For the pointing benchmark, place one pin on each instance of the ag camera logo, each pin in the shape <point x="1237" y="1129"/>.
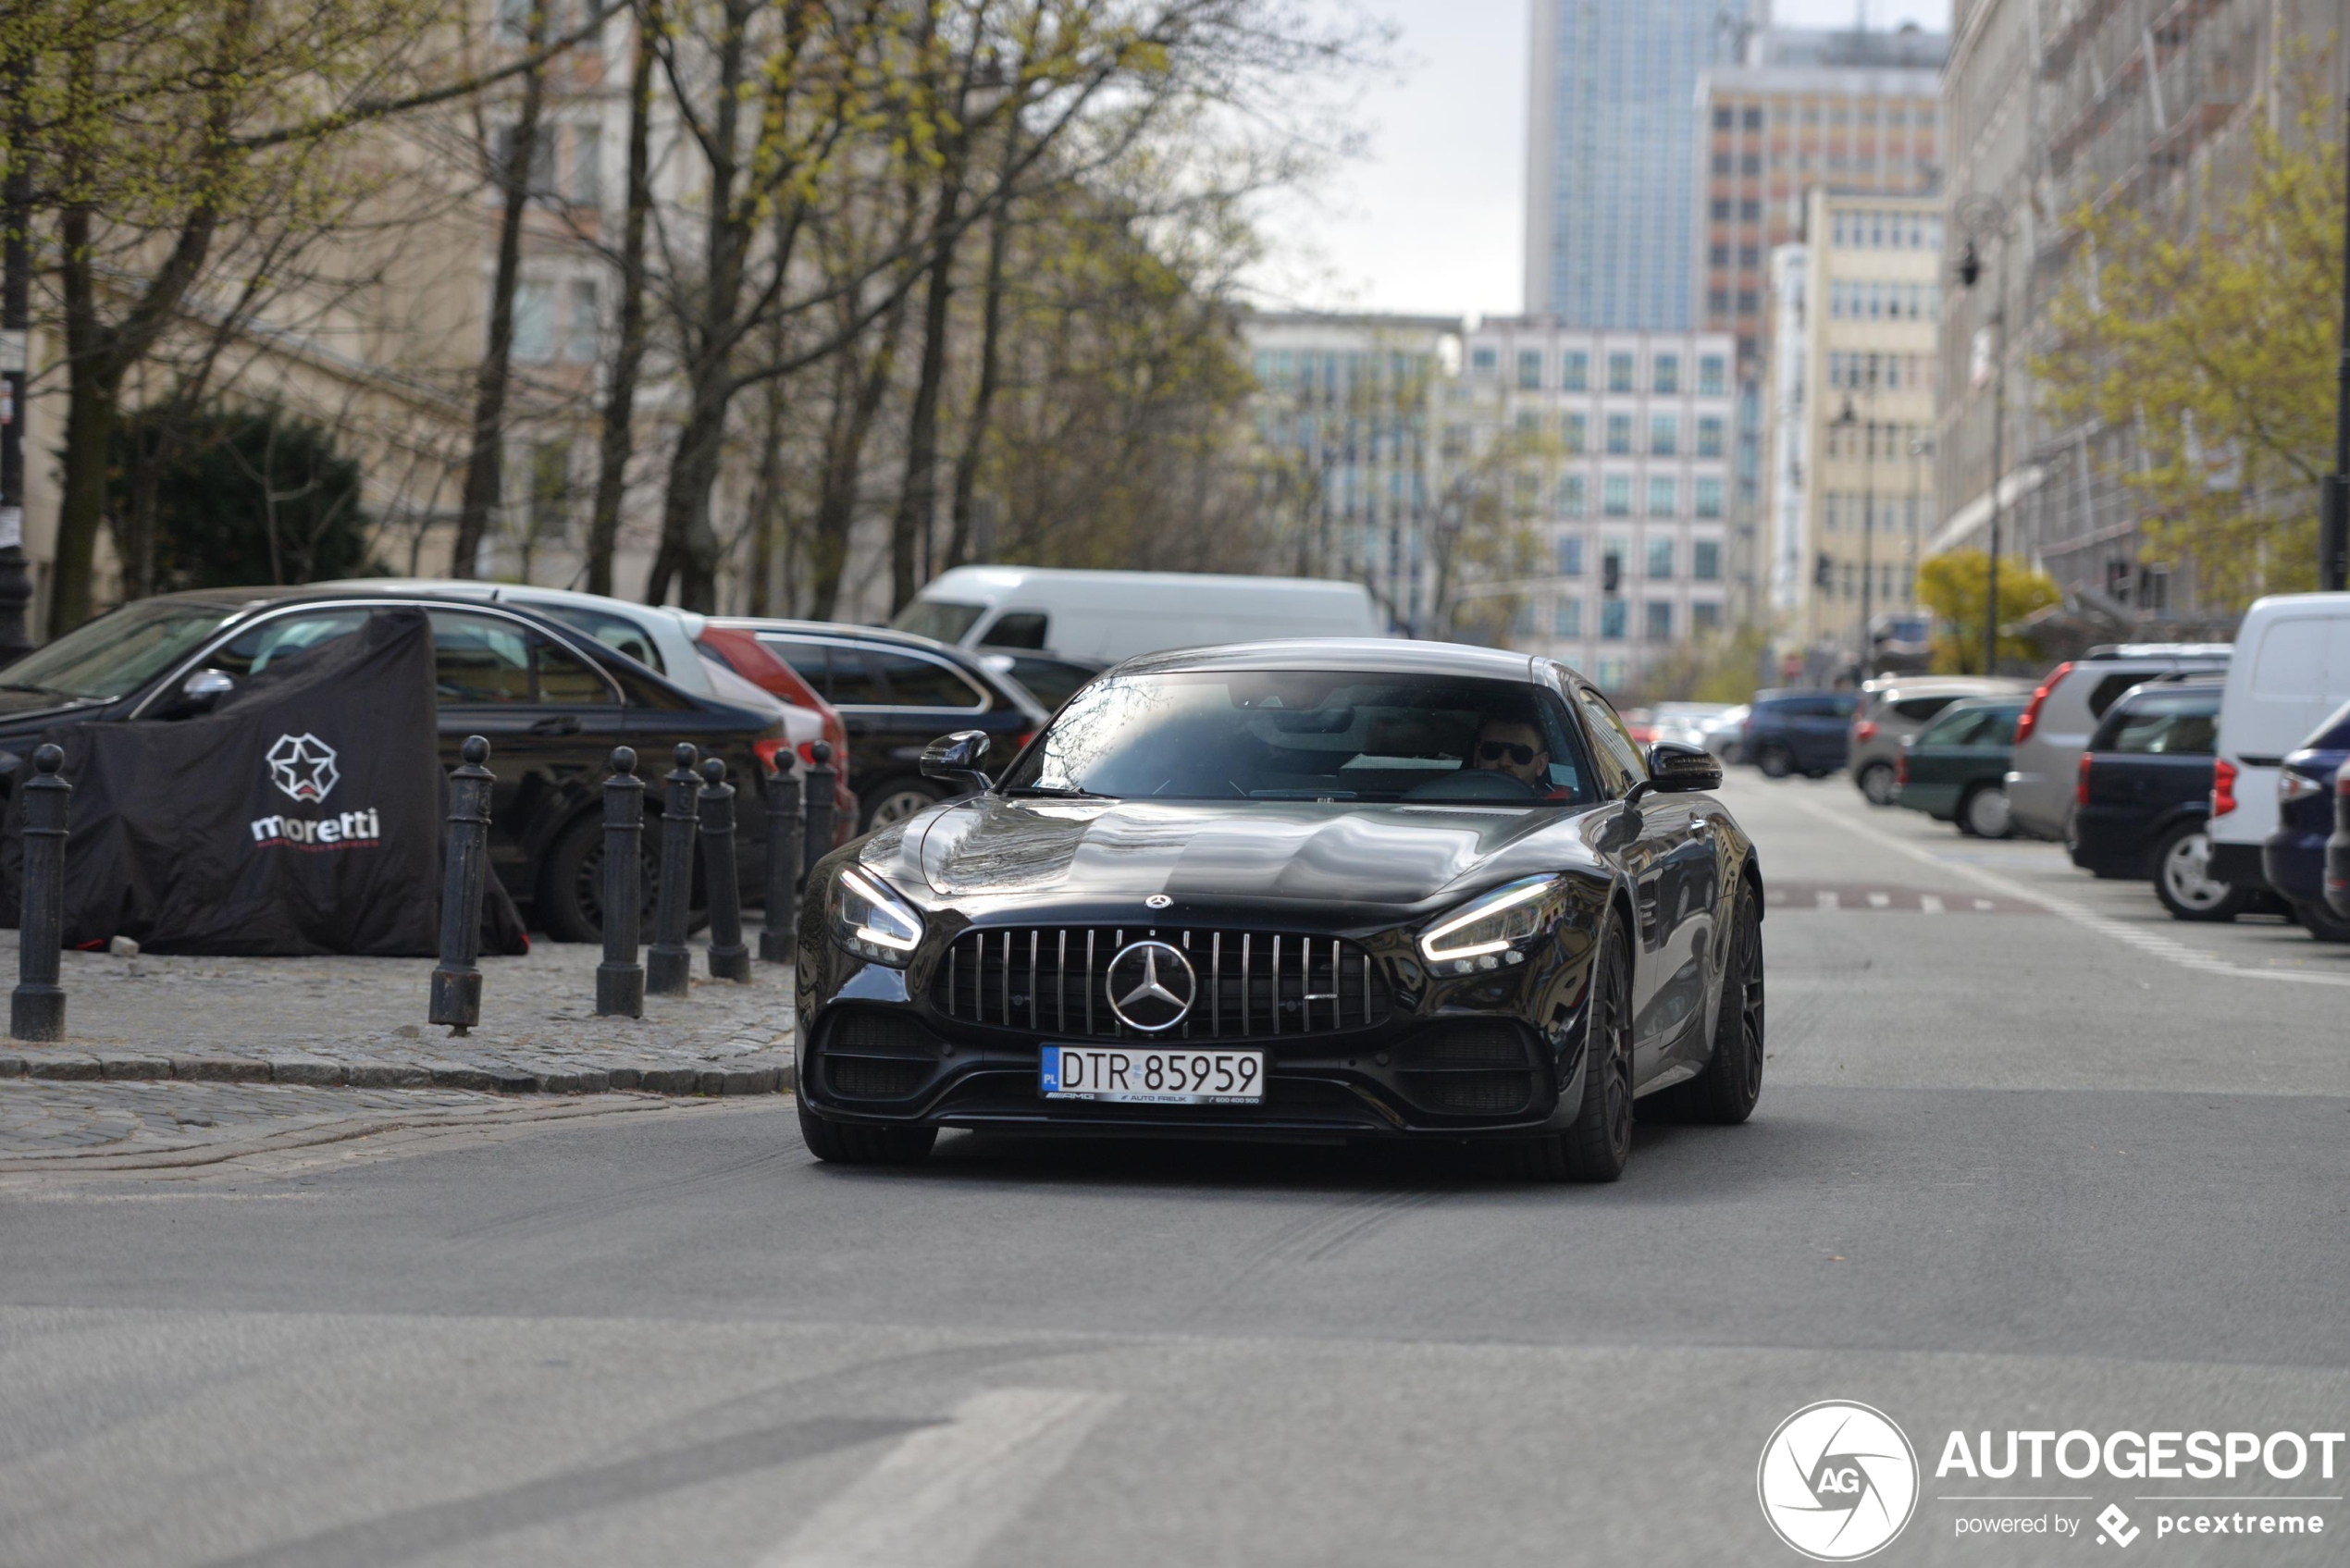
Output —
<point x="1838" y="1481"/>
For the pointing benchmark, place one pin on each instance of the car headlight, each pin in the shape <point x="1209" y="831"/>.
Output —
<point x="1492" y="929"/>
<point x="871" y="921"/>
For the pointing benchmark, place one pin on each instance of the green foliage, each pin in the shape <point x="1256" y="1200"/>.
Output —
<point x="242" y="497"/>
<point x="1955" y="586"/>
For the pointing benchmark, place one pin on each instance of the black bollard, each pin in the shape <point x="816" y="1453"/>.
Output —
<point x="37" y="1011"/>
<point x="729" y="959"/>
<point x="620" y="978"/>
<point x="775" y="938"/>
<point x="819" y="799"/>
<point x="456" y="983"/>
<point x="669" y="963"/>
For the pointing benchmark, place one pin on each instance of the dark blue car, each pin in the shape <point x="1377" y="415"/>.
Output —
<point x="1799" y="732"/>
<point x="2144" y="795"/>
<point x="2293" y="859"/>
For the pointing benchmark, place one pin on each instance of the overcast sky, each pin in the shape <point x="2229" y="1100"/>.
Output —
<point x="1431" y="218"/>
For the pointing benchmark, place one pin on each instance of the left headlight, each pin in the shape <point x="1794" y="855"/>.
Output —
<point x="872" y="921"/>
<point x="1493" y="929"/>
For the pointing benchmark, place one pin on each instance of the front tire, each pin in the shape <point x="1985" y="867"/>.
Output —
<point x="1984" y="812"/>
<point x="1724" y="1092"/>
<point x="1597" y="1144"/>
<point x="2182" y="878"/>
<point x="1877" y="783"/>
<point x="899" y="799"/>
<point x="1776" y="761"/>
<point x="839" y="1143"/>
<point x="2323" y="923"/>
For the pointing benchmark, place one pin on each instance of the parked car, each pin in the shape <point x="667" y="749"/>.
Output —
<point x="2143" y="792"/>
<point x="1115" y="616"/>
<point x="1797" y="732"/>
<point x="1685" y="723"/>
<point x="1955" y="768"/>
<point x="2338" y="846"/>
<point x="897" y="693"/>
<point x="741" y="652"/>
<point x="2294" y="858"/>
<point x="1725" y="733"/>
<point x="2065" y="707"/>
<point x="1889" y="712"/>
<point x="1050" y="678"/>
<point x="552" y="702"/>
<point x="2291" y="669"/>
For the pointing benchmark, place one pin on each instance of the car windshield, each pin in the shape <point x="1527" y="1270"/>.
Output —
<point x="939" y="618"/>
<point x="119" y="652"/>
<point x="1308" y="735"/>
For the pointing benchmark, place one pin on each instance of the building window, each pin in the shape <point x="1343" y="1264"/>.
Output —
<point x="1720" y="163"/>
<point x="1750" y="164"/>
<point x="581" y="323"/>
<point x="1615" y="495"/>
<point x="1753" y="118"/>
<point x="1619" y="372"/>
<point x="1721" y="209"/>
<point x="1749" y="301"/>
<point x="1529" y="369"/>
<point x="1713" y="376"/>
<point x="1717" y="302"/>
<point x="1483" y="361"/>
<point x="587" y="166"/>
<point x="534" y="321"/>
<point x="1664" y="435"/>
<point x="1529" y="422"/>
<point x="1571" y="495"/>
<point x="1661" y="559"/>
<point x="1660" y="620"/>
<point x="1709" y="497"/>
<point x="1665" y="374"/>
<point x="1719" y="255"/>
<point x="1574" y="433"/>
<point x="1750" y="210"/>
<point x="1575" y="371"/>
<point x="1749" y="255"/>
<point x="1705" y="618"/>
<point x="1662" y="498"/>
<point x="1619" y="435"/>
<point x="1705" y="561"/>
<point x="1722" y="119"/>
<point x="1613" y="613"/>
<point x="1571" y="554"/>
<point x="1708" y="437"/>
<point x="1566" y="618"/>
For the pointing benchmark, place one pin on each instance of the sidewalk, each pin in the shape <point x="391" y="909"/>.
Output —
<point x="360" y="1023"/>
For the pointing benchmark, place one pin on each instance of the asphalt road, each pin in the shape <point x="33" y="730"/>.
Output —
<point x="2029" y="1156"/>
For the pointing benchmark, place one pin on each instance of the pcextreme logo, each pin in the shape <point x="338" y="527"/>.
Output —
<point x="1838" y="1481"/>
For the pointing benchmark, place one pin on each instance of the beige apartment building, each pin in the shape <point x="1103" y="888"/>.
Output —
<point x="1853" y="401"/>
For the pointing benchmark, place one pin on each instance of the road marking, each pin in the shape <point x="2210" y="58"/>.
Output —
<point x="943" y="1493"/>
<point x="1929" y="903"/>
<point x="2147" y="942"/>
<point x="1826" y="899"/>
<point x="1880" y="901"/>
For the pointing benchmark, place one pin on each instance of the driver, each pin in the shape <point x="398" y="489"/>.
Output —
<point x="1507" y="746"/>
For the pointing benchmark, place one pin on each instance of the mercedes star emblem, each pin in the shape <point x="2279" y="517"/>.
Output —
<point x="1157" y="901"/>
<point x="1151" y="986"/>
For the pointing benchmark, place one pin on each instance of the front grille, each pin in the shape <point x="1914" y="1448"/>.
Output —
<point x="1469" y="1045"/>
<point x="1049" y="980"/>
<point x="1475" y="1094"/>
<point x="870" y="1055"/>
<point x="873" y="1077"/>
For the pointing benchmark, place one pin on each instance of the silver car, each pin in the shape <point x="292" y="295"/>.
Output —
<point x="1892" y="709"/>
<point x="2065" y="709"/>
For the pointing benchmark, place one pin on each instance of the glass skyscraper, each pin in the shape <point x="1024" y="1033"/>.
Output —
<point x="1612" y="156"/>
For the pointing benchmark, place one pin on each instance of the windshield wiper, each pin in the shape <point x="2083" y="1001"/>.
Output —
<point x="1058" y="792"/>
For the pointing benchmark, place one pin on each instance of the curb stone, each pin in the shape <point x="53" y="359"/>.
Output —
<point x="573" y="1076"/>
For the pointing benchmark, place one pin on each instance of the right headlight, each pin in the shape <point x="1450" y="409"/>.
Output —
<point x="873" y="919"/>
<point x="1493" y="929"/>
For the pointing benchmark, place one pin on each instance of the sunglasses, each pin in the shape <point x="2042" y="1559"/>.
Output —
<point x="1494" y="750"/>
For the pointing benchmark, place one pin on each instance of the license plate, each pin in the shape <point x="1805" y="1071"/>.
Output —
<point x="1150" y="1075"/>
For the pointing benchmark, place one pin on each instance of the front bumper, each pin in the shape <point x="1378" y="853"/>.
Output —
<point x="2293" y="863"/>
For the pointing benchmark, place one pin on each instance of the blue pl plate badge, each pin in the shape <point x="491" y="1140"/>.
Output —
<point x="1052" y="1069"/>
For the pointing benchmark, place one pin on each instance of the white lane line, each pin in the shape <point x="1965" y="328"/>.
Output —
<point x="943" y="1493"/>
<point x="1880" y="901"/>
<point x="1929" y="903"/>
<point x="2146" y="941"/>
<point x="1826" y="899"/>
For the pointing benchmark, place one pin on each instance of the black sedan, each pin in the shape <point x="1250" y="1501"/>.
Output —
<point x="1304" y="891"/>
<point x="552" y="701"/>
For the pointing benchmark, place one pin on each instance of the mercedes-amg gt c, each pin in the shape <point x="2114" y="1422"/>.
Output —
<point x="1304" y="891"/>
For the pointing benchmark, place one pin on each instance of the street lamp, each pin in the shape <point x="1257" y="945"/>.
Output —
<point x="1919" y="449"/>
<point x="1982" y="217"/>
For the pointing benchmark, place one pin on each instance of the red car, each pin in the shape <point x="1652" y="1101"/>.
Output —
<point x="739" y="649"/>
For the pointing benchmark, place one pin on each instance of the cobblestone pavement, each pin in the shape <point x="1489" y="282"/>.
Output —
<point x="359" y="1022"/>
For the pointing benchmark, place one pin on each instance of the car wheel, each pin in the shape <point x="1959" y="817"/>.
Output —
<point x="1876" y="782"/>
<point x="899" y="799"/>
<point x="1776" y="761"/>
<point x="839" y="1143"/>
<point x="1596" y="1147"/>
<point x="2182" y="878"/>
<point x="1984" y="812"/>
<point x="571" y="889"/>
<point x="2321" y="923"/>
<point x="1724" y="1092"/>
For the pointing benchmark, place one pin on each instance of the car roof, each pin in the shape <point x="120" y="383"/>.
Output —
<point x="2113" y="651"/>
<point x="843" y="629"/>
<point x="1388" y="656"/>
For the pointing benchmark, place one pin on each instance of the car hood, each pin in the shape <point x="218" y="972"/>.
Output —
<point x="1200" y="852"/>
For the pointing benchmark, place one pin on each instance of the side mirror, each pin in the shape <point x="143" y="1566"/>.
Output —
<point x="1676" y="769"/>
<point x="955" y="760"/>
<point x="204" y="688"/>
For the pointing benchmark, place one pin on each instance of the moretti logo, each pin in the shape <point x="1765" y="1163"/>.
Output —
<point x="303" y="767"/>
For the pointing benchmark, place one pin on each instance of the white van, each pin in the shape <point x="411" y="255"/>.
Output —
<point x="1115" y="616"/>
<point x="2291" y="669"/>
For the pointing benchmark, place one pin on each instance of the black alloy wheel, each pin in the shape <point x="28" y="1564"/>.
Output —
<point x="1724" y="1092"/>
<point x="1596" y="1147"/>
<point x="571" y="901"/>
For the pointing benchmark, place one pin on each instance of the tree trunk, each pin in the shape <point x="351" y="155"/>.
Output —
<point x="836" y="507"/>
<point x="485" y="468"/>
<point x="629" y="355"/>
<point x="912" y="525"/>
<point x="991" y="333"/>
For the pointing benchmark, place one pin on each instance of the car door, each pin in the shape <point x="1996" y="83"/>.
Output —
<point x="928" y="697"/>
<point x="1670" y="862"/>
<point x="835" y="671"/>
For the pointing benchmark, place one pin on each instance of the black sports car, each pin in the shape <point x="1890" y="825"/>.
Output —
<point x="1306" y="891"/>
